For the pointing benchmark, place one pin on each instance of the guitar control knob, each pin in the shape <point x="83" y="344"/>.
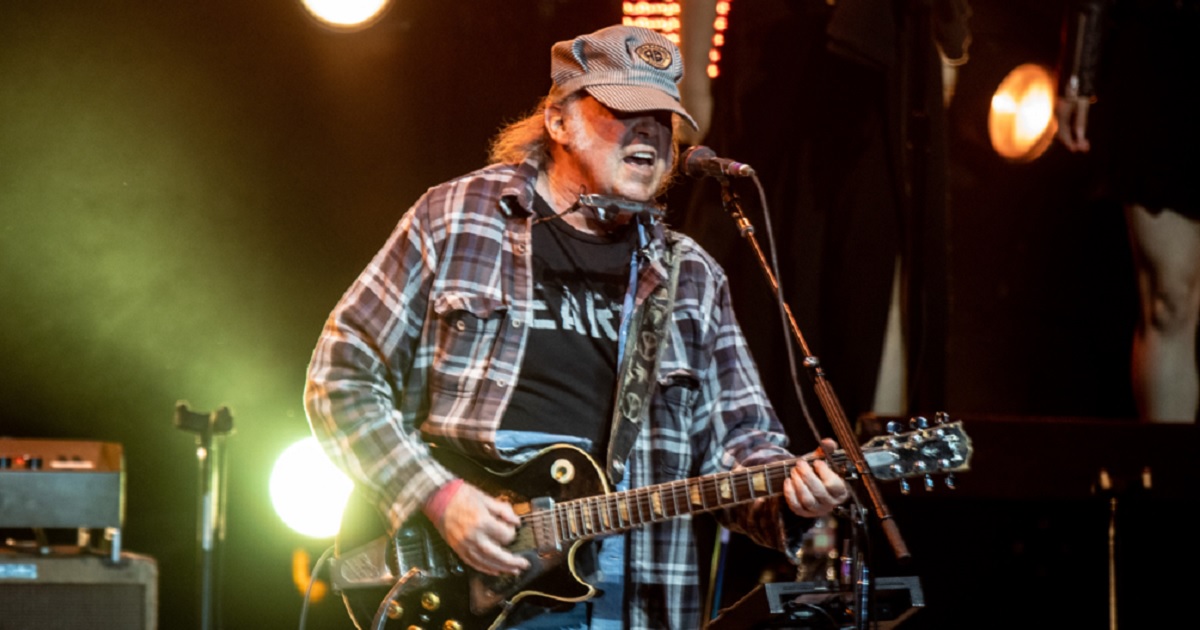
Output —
<point x="395" y="610"/>
<point x="452" y="625"/>
<point x="430" y="601"/>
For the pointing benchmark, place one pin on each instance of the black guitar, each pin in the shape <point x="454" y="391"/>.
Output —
<point x="414" y="580"/>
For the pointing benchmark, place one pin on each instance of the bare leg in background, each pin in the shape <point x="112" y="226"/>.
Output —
<point x="1166" y="255"/>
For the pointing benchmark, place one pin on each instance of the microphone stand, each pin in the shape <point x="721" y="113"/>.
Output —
<point x="210" y="430"/>
<point x="833" y="409"/>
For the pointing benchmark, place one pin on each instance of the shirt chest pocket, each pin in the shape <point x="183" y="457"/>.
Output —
<point x="467" y="330"/>
<point x="672" y="426"/>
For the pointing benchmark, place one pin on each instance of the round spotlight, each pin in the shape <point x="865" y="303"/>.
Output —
<point x="308" y="492"/>
<point x="347" y="15"/>
<point x="1021" y="121"/>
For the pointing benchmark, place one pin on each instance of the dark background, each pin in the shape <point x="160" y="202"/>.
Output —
<point x="186" y="189"/>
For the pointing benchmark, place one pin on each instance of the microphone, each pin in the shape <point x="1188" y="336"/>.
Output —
<point x="701" y="161"/>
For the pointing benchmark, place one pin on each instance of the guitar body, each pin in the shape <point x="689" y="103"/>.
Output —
<point x="444" y="590"/>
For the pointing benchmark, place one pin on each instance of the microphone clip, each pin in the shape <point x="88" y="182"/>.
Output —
<point x="608" y="207"/>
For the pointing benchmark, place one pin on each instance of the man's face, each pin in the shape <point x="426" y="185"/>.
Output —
<point x="615" y="153"/>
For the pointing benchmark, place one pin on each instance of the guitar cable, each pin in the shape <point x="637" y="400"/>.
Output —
<point x="313" y="580"/>
<point x="381" y="617"/>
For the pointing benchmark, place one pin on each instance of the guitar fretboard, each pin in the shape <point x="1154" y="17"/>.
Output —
<point x="618" y="511"/>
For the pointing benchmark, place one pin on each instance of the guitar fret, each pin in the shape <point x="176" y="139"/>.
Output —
<point x="762" y="483"/>
<point x="656" y="507"/>
<point x="675" y="492"/>
<point x="598" y="514"/>
<point x="574" y="521"/>
<point x="694" y="493"/>
<point x="587" y="516"/>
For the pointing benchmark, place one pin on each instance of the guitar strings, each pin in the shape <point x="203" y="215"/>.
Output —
<point x="588" y="516"/>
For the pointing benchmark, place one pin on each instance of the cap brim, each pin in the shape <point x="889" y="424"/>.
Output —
<point x="636" y="98"/>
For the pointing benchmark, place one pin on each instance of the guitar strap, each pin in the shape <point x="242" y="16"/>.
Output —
<point x="644" y="341"/>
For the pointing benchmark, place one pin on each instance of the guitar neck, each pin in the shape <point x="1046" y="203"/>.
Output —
<point x="628" y="509"/>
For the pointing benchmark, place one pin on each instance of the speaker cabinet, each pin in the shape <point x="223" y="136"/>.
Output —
<point x="72" y="590"/>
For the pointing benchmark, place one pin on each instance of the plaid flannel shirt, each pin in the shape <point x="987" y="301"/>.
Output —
<point x="426" y="344"/>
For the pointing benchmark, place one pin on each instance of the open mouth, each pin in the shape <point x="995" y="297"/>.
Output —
<point x="640" y="158"/>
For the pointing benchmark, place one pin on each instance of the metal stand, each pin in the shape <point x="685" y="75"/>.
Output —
<point x="210" y="430"/>
<point x="857" y="466"/>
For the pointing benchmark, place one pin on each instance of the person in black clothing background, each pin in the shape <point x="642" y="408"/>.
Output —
<point x="1136" y="60"/>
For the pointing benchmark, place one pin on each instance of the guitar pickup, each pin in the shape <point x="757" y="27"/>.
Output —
<point x="545" y="534"/>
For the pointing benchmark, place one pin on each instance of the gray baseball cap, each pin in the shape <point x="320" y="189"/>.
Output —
<point x="627" y="68"/>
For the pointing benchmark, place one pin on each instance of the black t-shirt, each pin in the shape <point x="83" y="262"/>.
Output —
<point x="569" y="372"/>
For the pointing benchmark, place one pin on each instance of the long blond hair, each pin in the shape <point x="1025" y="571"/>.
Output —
<point x="525" y="137"/>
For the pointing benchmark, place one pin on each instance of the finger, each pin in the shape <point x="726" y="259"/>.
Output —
<point x="1081" y="127"/>
<point x="790" y="494"/>
<point x="503" y="511"/>
<point x="498" y="530"/>
<point x="819" y="483"/>
<point x="498" y="559"/>
<point x="833" y="483"/>
<point x="803" y="502"/>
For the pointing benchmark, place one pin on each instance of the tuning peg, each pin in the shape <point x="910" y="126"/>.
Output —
<point x="941" y="417"/>
<point x="904" y="487"/>
<point x="929" y="483"/>
<point x="919" y="422"/>
<point x="892" y="427"/>
<point x="951" y="482"/>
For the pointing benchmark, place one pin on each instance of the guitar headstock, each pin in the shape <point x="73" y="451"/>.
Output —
<point x="926" y="449"/>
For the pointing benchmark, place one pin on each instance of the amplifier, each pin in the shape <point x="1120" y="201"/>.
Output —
<point x="61" y="484"/>
<point x="67" y="589"/>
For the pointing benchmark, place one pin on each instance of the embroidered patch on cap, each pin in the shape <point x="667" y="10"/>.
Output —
<point x="655" y="55"/>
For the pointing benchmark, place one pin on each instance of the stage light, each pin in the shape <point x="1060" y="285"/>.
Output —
<point x="659" y="16"/>
<point x="1021" y="120"/>
<point x="308" y="492"/>
<point x="347" y="15"/>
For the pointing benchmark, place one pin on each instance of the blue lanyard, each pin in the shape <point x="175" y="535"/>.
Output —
<point x="630" y="292"/>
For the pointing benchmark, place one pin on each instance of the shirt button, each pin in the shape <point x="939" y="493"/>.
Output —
<point x="501" y="382"/>
<point x="520" y="248"/>
<point x="516" y="323"/>
<point x="460" y="324"/>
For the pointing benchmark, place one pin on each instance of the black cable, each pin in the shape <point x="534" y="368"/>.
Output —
<point x="312" y="579"/>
